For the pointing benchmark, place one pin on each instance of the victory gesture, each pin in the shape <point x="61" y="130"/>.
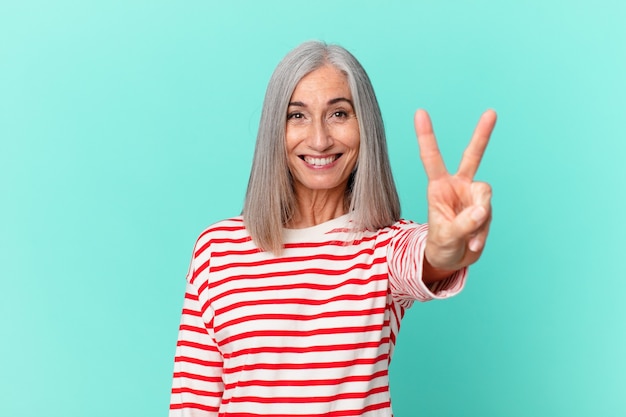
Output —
<point x="459" y="208"/>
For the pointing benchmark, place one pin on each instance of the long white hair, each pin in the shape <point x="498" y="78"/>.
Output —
<point x="371" y="193"/>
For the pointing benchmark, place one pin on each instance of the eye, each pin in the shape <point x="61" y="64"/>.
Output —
<point x="340" y="114"/>
<point x="295" y="115"/>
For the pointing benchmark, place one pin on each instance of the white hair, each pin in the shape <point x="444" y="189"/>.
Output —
<point x="270" y="200"/>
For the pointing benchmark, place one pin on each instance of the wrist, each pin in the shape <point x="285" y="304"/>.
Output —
<point x="432" y="273"/>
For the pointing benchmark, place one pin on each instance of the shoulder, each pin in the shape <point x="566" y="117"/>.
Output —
<point x="225" y="233"/>
<point x="226" y="236"/>
<point x="401" y="233"/>
<point x="402" y="226"/>
<point x="224" y="228"/>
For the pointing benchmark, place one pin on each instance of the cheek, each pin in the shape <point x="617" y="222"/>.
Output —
<point x="290" y="139"/>
<point x="348" y="134"/>
<point x="353" y="138"/>
<point x="294" y="134"/>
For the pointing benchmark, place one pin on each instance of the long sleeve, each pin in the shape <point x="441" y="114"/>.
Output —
<point x="405" y="257"/>
<point x="197" y="387"/>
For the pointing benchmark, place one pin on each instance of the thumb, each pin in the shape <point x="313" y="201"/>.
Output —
<point x="474" y="217"/>
<point x="469" y="221"/>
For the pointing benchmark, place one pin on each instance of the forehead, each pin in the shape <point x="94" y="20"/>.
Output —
<point x="326" y="80"/>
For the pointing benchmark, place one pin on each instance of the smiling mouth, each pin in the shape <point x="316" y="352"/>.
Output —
<point x="320" y="161"/>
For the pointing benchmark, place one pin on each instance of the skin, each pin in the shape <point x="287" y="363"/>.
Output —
<point x="459" y="208"/>
<point x="321" y="123"/>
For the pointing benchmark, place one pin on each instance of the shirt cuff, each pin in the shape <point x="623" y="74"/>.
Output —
<point x="447" y="287"/>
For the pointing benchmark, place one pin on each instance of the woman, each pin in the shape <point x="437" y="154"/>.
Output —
<point x="293" y="308"/>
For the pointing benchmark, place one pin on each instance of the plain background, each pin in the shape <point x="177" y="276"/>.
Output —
<point x="127" y="127"/>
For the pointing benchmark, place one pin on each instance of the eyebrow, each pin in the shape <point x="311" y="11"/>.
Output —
<point x="332" y="101"/>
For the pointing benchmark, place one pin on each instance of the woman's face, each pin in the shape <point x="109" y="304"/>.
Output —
<point x="322" y="135"/>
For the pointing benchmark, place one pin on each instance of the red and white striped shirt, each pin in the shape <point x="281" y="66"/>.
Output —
<point x="307" y="333"/>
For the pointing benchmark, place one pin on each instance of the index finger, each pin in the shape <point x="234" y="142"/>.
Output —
<point x="476" y="148"/>
<point x="429" y="151"/>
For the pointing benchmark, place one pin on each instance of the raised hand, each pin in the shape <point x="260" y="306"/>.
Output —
<point x="459" y="208"/>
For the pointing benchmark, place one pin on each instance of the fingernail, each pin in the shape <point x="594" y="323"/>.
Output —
<point x="478" y="213"/>
<point x="474" y="245"/>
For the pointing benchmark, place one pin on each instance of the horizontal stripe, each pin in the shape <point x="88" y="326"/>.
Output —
<point x="307" y="399"/>
<point x="197" y="361"/>
<point x="216" y="241"/>
<point x="307" y="365"/>
<point x="301" y="317"/>
<point x="303" y="271"/>
<point x="334" y="413"/>
<point x="300" y="285"/>
<point x="185" y="327"/>
<point x="310" y="349"/>
<point x="305" y="333"/>
<point x="195" y="345"/>
<point x="203" y="378"/>
<point x="194" y="406"/>
<point x="308" y="382"/>
<point x="309" y="333"/>
<point x="302" y="301"/>
<point x="196" y="392"/>
<point x="294" y="259"/>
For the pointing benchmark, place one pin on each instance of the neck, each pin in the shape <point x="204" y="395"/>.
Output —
<point x="316" y="207"/>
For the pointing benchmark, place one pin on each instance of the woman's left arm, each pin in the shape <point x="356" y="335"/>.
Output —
<point x="459" y="208"/>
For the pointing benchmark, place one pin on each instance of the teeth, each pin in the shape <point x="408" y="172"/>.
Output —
<point x="320" y="161"/>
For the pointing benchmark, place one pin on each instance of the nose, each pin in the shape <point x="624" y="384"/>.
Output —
<point x="319" y="138"/>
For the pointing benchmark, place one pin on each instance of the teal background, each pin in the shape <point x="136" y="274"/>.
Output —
<point x="126" y="127"/>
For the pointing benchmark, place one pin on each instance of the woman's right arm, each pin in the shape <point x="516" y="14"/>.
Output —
<point x="197" y="388"/>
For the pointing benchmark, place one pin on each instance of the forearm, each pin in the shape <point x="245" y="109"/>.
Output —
<point x="430" y="274"/>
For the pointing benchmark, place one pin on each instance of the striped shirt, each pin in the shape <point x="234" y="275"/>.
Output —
<point x="307" y="333"/>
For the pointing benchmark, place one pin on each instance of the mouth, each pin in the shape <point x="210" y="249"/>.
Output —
<point x="320" y="161"/>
